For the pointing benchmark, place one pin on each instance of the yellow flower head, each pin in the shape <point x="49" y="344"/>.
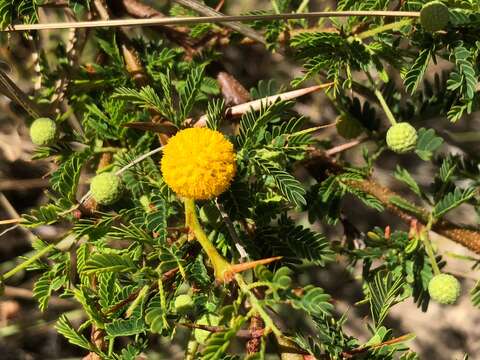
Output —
<point x="198" y="163"/>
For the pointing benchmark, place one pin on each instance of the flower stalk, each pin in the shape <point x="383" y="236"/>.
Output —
<point x="223" y="270"/>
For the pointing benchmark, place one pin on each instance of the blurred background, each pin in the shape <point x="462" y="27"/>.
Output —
<point x="26" y="333"/>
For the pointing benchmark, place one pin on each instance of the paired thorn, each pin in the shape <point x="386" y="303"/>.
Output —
<point x="229" y="273"/>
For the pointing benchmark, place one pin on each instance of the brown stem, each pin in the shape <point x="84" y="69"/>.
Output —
<point x="256" y="330"/>
<point x="245" y="334"/>
<point x="319" y="164"/>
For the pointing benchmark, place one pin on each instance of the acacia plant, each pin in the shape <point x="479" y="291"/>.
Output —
<point x="198" y="187"/>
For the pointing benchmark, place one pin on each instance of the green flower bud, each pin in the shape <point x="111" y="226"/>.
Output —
<point x="401" y="138"/>
<point x="43" y="132"/>
<point x="106" y="188"/>
<point x="348" y="128"/>
<point x="434" y="16"/>
<point x="183" y="304"/>
<point x="444" y="289"/>
<point x="207" y="319"/>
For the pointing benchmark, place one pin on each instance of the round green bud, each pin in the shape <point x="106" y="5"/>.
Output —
<point x="348" y="128"/>
<point x="183" y="304"/>
<point x="206" y="319"/>
<point x="43" y="132"/>
<point x="401" y="138"/>
<point x="434" y="16"/>
<point x="106" y="188"/>
<point x="444" y="289"/>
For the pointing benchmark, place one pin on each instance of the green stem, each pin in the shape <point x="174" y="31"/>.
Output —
<point x="28" y="262"/>
<point x="385" y="107"/>
<point x="256" y="306"/>
<point x="428" y="246"/>
<point x="381" y="100"/>
<point x="392" y="26"/>
<point x="107" y="149"/>
<point x="141" y="295"/>
<point x="221" y="267"/>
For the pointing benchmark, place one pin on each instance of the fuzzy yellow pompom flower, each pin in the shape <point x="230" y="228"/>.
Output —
<point x="198" y="163"/>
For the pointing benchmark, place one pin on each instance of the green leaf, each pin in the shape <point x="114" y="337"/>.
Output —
<point x="155" y="316"/>
<point x="156" y="219"/>
<point x="64" y="180"/>
<point x="383" y="294"/>
<point x="188" y="93"/>
<point x="215" y="113"/>
<point x="121" y="327"/>
<point x="366" y="198"/>
<point x="13" y="10"/>
<point x="64" y="327"/>
<point x="147" y="98"/>
<point x="415" y="74"/>
<point x="404" y="176"/>
<point x="198" y="273"/>
<point x="315" y="302"/>
<point x="86" y="297"/>
<point x="282" y="278"/>
<point x="405" y="205"/>
<point x="170" y="258"/>
<point x="264" y="88"/>
<point x="447" y="169"/>
<point x="218" y="343"/>
<point x="475" y="294"/>
<point x="464" y="78"/>
<point x="44" y="215"/>
<point x="453" y="200"/>
<point x="106" y="289"/>
<point x="296" y="243"/>
<point x="428" y="142"/>
<point x="43" y="289"/>
<point x="111" y="262"/>
<point x="288" y="185"/>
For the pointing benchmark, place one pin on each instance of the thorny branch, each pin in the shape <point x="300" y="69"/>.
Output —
<point x="319" y="163"/>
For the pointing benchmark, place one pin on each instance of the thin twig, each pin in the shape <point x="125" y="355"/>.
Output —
<point x="125" y="168"/>
<point x="10" y="89"/>
<point x="255" y="105"/>
<point x="10" y="221"/>
<point x="342" y="147"/>
<point x="7" y="230"/>
<point x="13" y="213"/>
<point x="208" y="11"/>
<point x="205" y="19"/>
<point x="21" y="293"/>
<point x="240" y="246"/>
